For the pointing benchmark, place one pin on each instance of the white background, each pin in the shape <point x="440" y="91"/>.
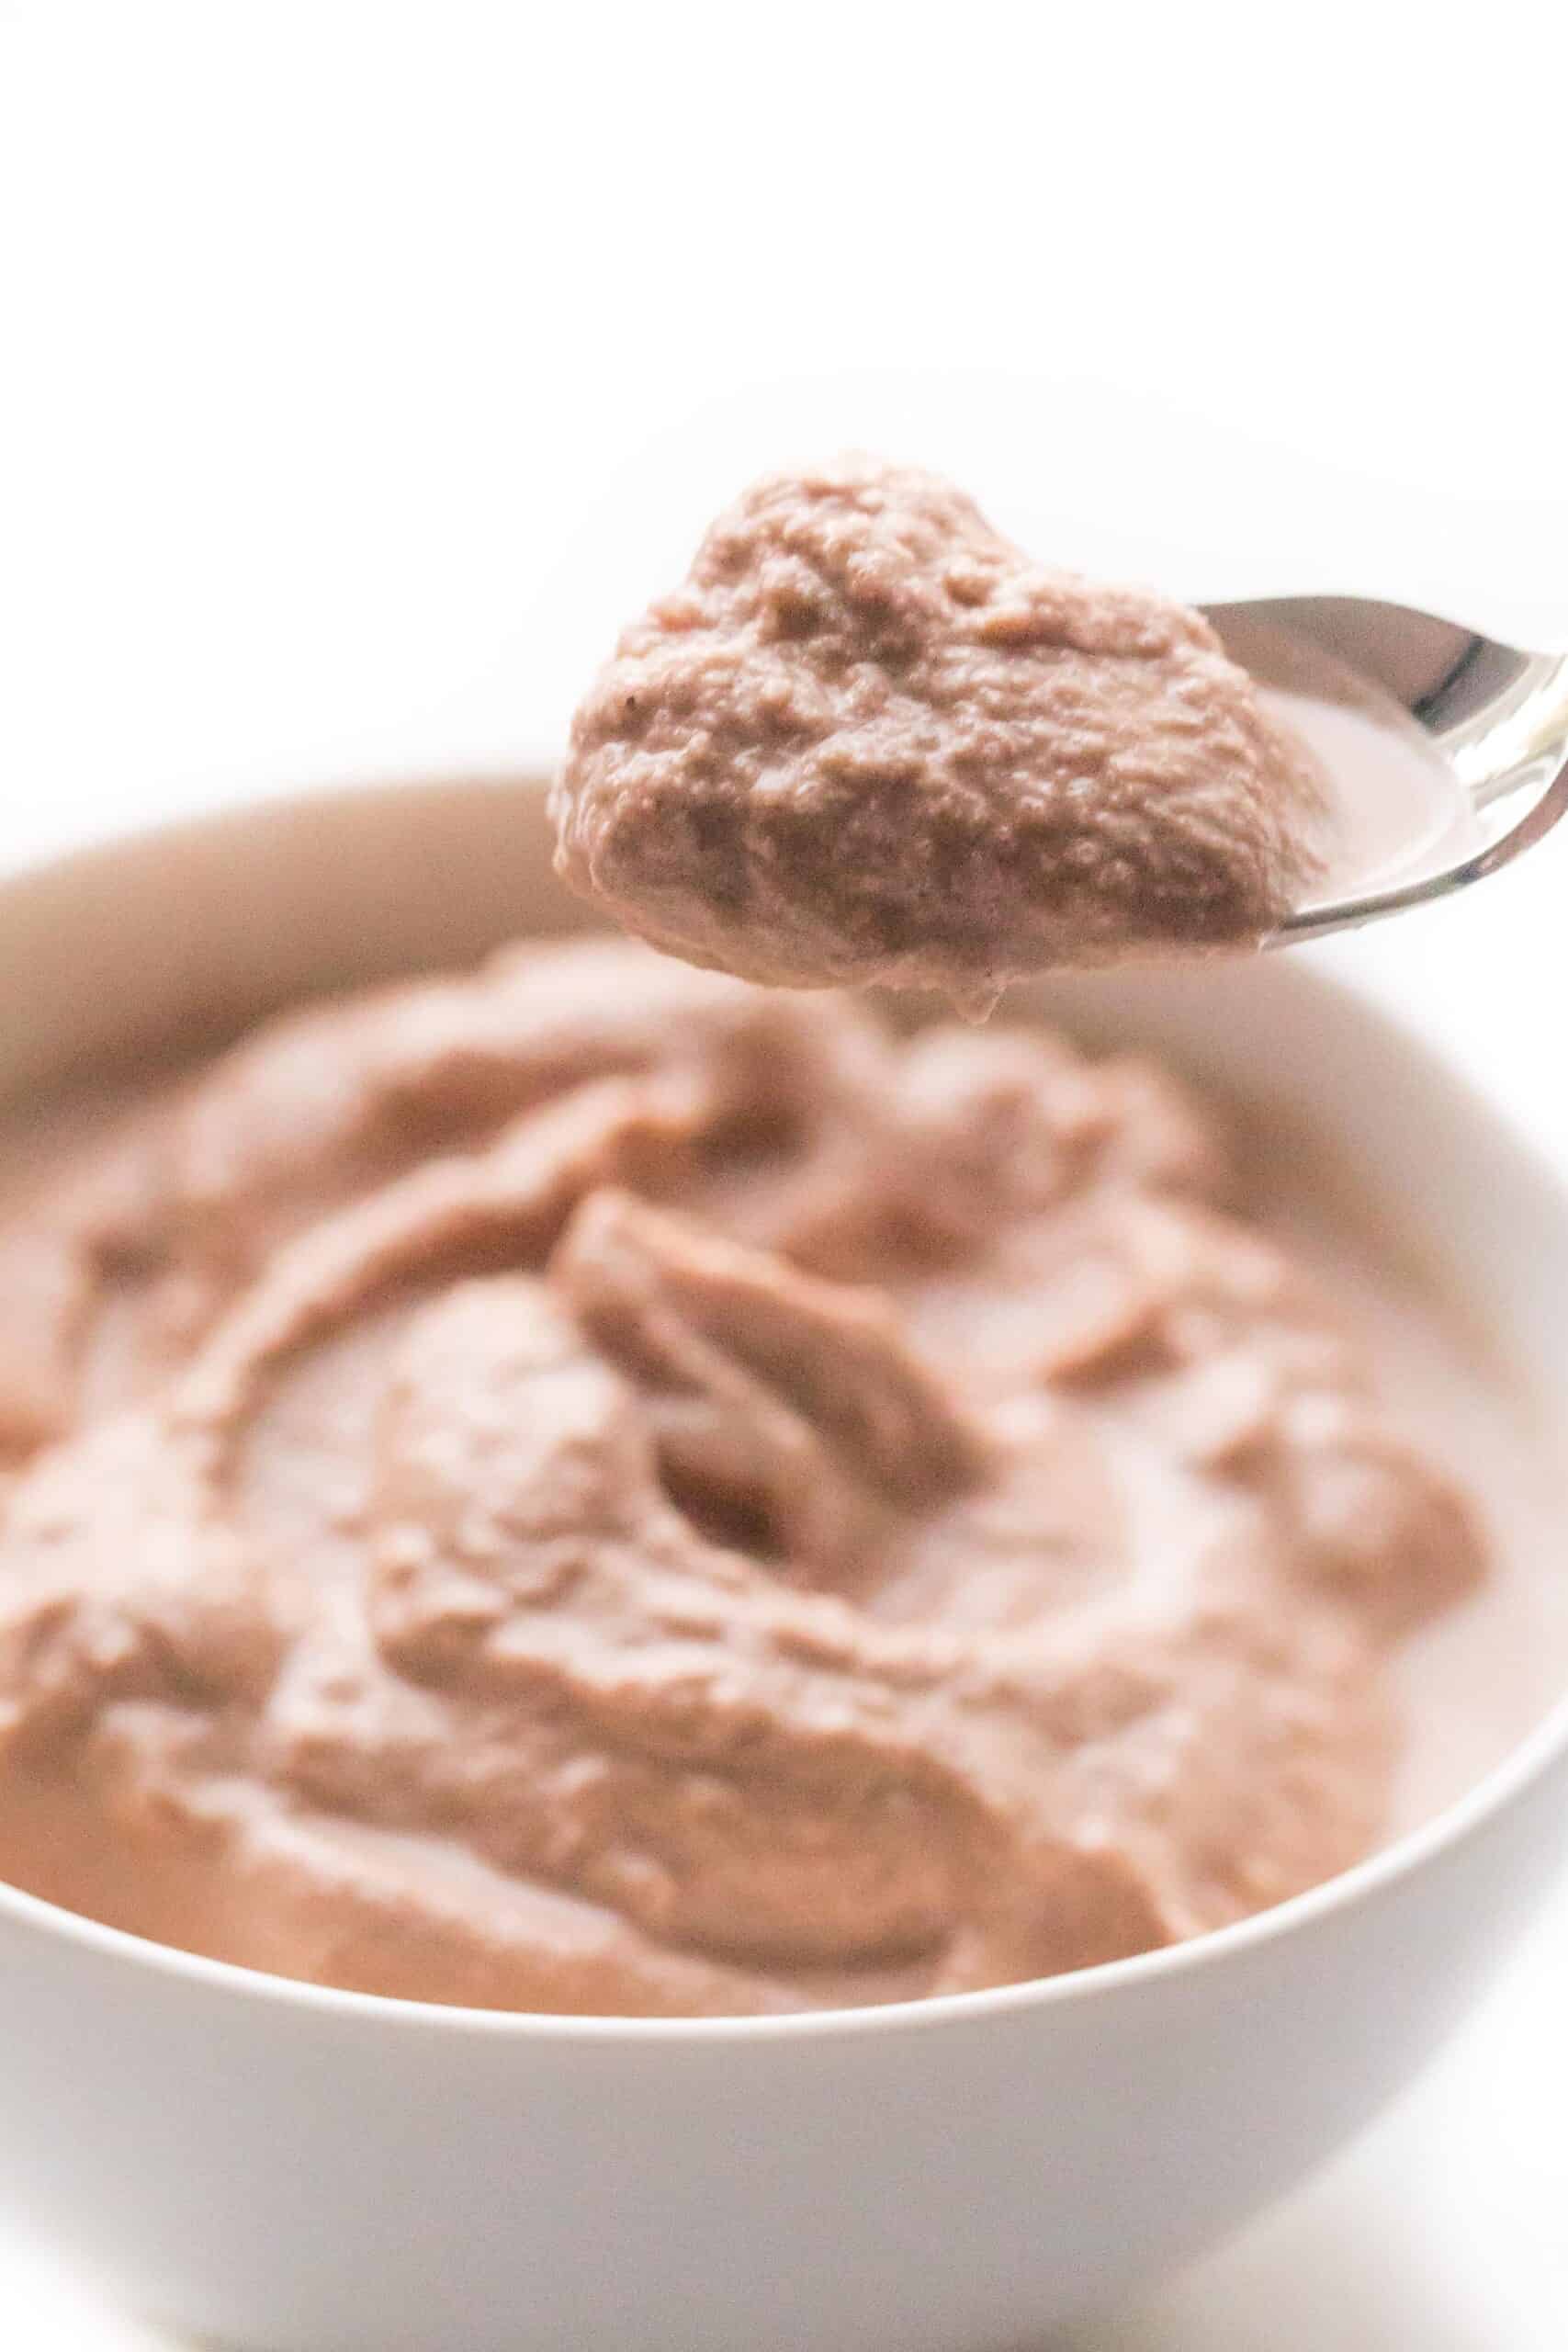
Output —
<point x="361" y="366"/>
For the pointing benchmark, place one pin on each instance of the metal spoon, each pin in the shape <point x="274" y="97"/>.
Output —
<point x="1498" y="718"/>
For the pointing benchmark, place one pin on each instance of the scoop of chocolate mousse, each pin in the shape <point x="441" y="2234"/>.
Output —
<point x="869" y="740"/>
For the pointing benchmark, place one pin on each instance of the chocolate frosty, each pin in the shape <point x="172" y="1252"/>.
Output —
<point x="870" y="740"/>
<point x="594" y="1487"/>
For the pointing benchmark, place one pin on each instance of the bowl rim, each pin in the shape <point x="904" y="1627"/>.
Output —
<point x="1453" y="1827"/>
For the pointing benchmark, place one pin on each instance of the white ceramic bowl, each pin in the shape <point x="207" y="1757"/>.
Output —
<point x="281" y="2167"/>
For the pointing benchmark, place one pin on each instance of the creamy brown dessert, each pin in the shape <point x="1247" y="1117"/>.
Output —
<point x="870" y="740"/>
<point x="598" y="1488"/>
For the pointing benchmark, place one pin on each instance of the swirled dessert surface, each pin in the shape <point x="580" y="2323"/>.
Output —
<point x="595" y="1488"/>
<point x="869" y="739"/>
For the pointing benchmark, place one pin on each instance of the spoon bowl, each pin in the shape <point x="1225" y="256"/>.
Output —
<point x="1494" y="716"/>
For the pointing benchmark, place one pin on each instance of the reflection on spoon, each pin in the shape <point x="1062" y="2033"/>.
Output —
<point x="1445" y="753"/>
